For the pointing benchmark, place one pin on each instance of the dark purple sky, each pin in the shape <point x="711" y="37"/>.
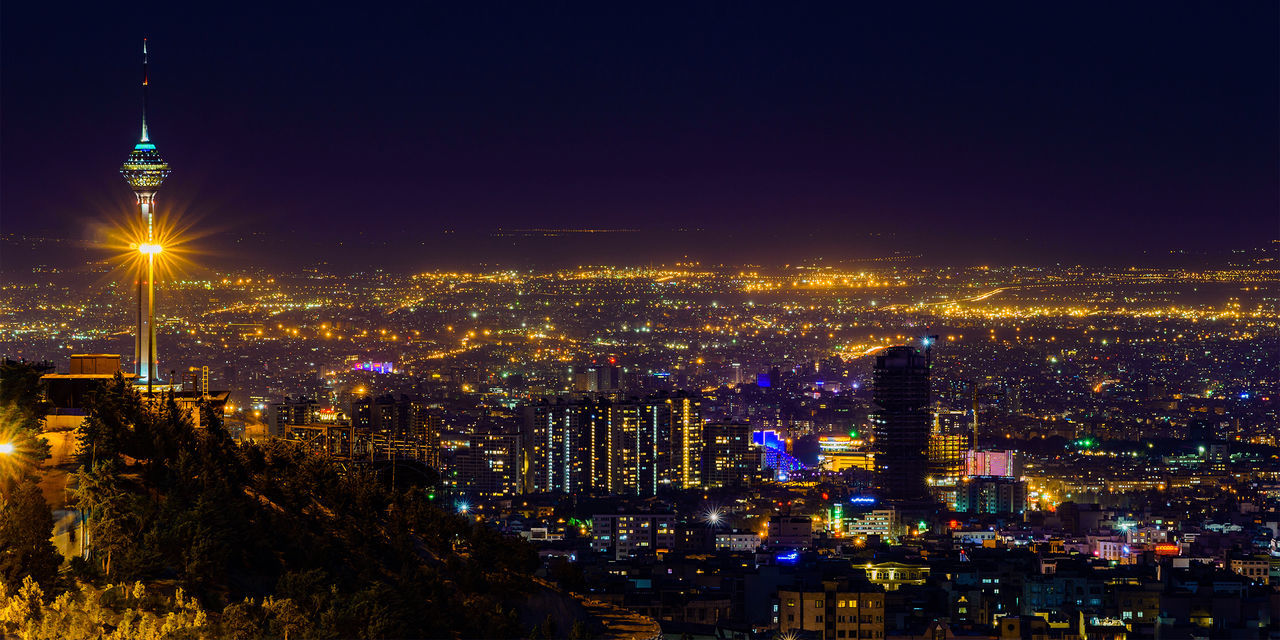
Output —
<point x="967" y="130"/>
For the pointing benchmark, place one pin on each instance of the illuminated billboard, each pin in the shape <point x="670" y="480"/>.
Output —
<point x="375" y="367"/>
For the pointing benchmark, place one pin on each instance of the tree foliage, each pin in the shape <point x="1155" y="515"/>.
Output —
<point x="26" y="522"/>
<point x="114" y="612"/>
<point x="25" y="549"/>
<point x="275" y="542"/>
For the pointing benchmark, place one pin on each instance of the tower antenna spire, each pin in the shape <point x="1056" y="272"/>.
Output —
<point x="144" y="91"/>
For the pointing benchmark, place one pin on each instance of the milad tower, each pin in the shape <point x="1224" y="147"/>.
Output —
<point x="145" y="171"/>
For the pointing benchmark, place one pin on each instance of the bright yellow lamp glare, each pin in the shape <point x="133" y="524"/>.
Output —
<point x="6" y="448"/>
<point x="150" y="248"/>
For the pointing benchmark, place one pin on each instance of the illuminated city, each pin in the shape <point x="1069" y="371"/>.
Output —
<point x="517" y="421"/>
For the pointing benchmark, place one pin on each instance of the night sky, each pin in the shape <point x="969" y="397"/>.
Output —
<point x="727" y="131"/>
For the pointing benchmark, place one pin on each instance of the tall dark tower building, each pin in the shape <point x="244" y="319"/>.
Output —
<point x="901" y="422"/>
<point x="145" y="171"/>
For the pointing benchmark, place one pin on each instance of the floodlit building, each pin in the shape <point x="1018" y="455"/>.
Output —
<point x="892" y="575"/>
<point x="992" y="463"/>
<point x="839" y="452"/>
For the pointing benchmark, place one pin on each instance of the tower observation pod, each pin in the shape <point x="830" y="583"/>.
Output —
<point x="145" y="171"/>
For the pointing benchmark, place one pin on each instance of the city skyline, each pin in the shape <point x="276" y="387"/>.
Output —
<point x="804" y="401"/>
<point x="947" y="133"/>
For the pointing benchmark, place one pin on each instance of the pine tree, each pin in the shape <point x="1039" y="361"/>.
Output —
<point x="25" y="549"/>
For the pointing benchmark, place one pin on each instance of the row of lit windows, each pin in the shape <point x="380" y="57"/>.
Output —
<point x="818" y="604"/>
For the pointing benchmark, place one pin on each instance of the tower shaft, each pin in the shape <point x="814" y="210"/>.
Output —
<point x="145" y="337"/>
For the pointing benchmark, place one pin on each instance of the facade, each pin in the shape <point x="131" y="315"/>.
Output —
<point x="621" y="447"/>
<point x="901" y="422"/>
<point x="890" y="576"/>
<point x="300" y="411"/>
<point x="947" y="457"/>
<point x="838" y="610"/>
<point x="727" y="459"/>
<point x="553" y="439"/>
<point x="1255" y="568"/>
<point x="949" y="443"/>
<point x="630" y="461"/>
<point x="485" y="465"/>
<point x="597" y="379"/>
<point x="790" y="532"/>
<point x="684" y="457"/>
<point x="839" y="453"/>
<point x="992" y="463"/>
<point x="991" y="494"/>
<point x="737" y="541"/>
<point x="69" y="393"/>
<point x="875" y="522"/>
<point x="630" y="535"/>
<point x="946" y="466"/>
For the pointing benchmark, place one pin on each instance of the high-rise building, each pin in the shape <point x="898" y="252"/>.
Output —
<point x="292" y="412"/>
<point x="553" y="440"/>
<point x="401" y="427"/>
<point x="683" y="462"/>
<point x="949" y="443"/>
<point x="946" y="465"/>
<point x="626" y="437"/>
<point x="727" y="460"/>
<point x="626" y="447"/>
<point x="901" y="422"/>
<point x="482" y="464"/>
<point x="596" y="379"/>
<point x="947" y="457"/>
<point x="145" y="171"/>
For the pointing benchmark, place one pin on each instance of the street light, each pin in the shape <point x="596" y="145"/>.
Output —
<point x="7" y="476"/>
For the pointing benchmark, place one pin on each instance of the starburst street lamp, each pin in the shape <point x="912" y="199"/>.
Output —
<point x="12" y="464"/>
<point x="713" y="516"/>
